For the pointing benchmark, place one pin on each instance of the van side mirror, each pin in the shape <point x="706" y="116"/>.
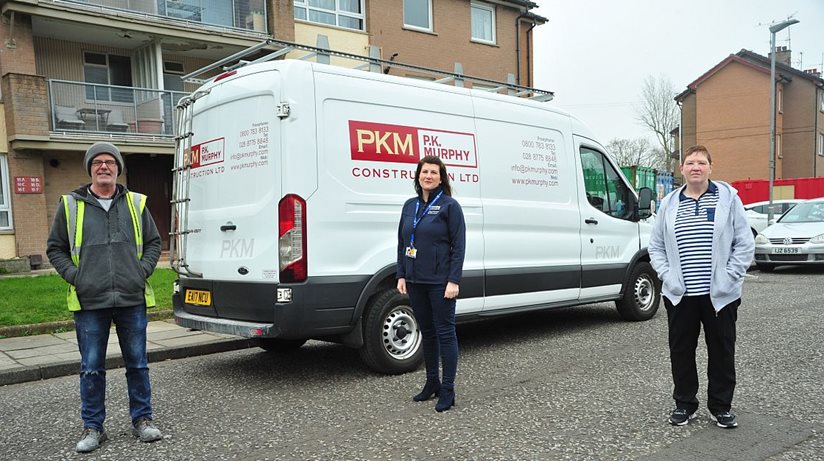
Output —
<point x="644" y="203"/>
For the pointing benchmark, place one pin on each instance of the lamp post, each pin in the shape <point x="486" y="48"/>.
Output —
<point x="773" y="29"/>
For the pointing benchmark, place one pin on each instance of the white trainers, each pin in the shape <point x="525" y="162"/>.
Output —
<point x="91" y="440"/>
<point x="145" y="430"/>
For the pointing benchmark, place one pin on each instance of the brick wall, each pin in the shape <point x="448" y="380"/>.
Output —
<point x="449" y="41"/>
<point x="20" y="58"/>
<point x="30" y="225"/>
<point x="799" y="128"/>
<point x="26" y="105"/>
<point x="282" y="19"/>
<point x="732" y="120"/>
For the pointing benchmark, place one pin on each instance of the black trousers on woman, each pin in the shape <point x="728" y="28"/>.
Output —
<point x="436" y="319"/>
<point x="685" y="320"/>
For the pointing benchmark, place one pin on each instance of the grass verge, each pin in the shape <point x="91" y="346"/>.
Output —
<point x="42" y="299"/>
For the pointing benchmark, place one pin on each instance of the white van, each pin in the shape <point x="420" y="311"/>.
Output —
<point x="288" y="205"/>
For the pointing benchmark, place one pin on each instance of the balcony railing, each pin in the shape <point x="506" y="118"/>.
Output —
<point x="237" y="14"/>
<point x="90" y="107"/>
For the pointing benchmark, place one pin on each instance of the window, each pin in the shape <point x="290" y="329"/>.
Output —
<point x="483" y="22"/>
<point x="778" y="146"/>
<point x="108" y="69"/>
<point x="604" y="187"/>
<point x="341" y="13"/>
<point x="417" y="14"/>
<point x="5" y="198"/>
<point x="172" y="71"/>
<point x="780" y="101"/>
<point x="822" y="102"/>
<point x="821" y="144"/>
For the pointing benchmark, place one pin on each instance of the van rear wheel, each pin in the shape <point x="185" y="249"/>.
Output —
<point x="642" y="294"/>
<point x="391" y="337"/>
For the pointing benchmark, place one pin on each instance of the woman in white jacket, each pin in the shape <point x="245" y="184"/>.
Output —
<point x="701" y="247"/>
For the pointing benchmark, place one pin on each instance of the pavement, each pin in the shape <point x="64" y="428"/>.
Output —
<point x="44" y="356"/>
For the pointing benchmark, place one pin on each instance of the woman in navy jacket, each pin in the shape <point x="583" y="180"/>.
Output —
<point x="431" y="243"/>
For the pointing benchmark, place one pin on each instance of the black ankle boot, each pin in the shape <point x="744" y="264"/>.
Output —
<point x="446" y="399"/>
<point x="430" y="389"/>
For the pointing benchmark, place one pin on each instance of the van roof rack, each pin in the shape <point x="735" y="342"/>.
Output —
<point x="374" y="63"/>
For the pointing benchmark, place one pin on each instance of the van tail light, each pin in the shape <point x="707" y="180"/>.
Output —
<point x="225" y="75"/>
<point x="292" y="239"/>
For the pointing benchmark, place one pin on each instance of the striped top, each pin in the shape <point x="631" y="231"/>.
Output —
<point x="693" y="234"/>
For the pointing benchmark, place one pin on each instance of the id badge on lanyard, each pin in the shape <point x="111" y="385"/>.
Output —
<point x="411" y="251"/>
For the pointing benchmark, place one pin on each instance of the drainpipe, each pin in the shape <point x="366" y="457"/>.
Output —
<point x="528" y="54"/>
<point x="518" y="47"/>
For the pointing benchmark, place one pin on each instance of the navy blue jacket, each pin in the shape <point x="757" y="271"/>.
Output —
<point x="440" y="240"/>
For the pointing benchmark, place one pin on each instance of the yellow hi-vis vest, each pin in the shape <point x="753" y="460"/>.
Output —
<point x="75" y="211"/>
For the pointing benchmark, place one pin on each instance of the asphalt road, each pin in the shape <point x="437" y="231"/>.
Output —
<point x="574" y="384"/>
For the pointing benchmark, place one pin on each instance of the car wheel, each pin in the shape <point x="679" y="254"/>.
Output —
<point x="279" y="345"/>
<point x="391" y="337"/>
<point x="641" y="295"/>
<point x="765" y="267"/>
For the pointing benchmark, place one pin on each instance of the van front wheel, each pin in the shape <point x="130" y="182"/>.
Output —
<point x="391" y="337"/>
<point x="641" y="295"/>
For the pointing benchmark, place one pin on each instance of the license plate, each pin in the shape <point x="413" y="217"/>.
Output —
<point x="785" y="251"/>
<point x="198" y="297"/>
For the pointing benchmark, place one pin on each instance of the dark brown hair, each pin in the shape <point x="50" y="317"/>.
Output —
<point x="432" y="160"/>
<point x="694" y="149"/>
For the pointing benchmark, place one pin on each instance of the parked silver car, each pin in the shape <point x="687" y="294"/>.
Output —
<point x="758" y="212"/>
<point x="796" y="238"/>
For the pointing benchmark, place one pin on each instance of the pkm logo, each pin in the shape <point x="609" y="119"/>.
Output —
<point x="607" y="251"/>
<point x="237" y="248"/>
<point x="380" y="142"/>
<point x="207" y="153"/>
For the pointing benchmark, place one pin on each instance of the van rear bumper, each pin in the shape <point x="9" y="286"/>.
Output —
<point x="320" y="307"/>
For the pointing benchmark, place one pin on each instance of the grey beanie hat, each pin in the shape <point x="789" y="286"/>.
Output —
<point x="103" y="147"/>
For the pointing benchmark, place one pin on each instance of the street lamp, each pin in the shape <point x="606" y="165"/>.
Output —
<point x="773" y="29"/>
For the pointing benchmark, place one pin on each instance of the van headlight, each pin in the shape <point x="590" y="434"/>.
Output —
<point x="761" y="240"/>
<point x="817" y="239"/>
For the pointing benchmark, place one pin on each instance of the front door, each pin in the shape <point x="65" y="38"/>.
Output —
<point x="152" y="175"/>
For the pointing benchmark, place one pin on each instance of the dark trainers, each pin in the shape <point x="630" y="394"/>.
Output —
<point x="91" y="440"/>
<point x="681" y="417"/>
<point x="725" y="419"/>
<point x="145" y="430"/>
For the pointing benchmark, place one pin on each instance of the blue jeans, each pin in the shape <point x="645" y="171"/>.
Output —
<point x="436" y="319"/>
<point x="92" y="329"/>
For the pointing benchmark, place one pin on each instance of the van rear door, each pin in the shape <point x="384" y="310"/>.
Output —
<point x="235" y="180"/>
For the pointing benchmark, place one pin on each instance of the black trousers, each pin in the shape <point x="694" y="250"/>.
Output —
<point x="685" y="322"/>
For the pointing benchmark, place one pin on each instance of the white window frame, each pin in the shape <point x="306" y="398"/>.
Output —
<point x="780" y="101"/>
<point x="304" y="5"/>
<point x="778" y="146"/>
<point x="821" y="144"/>
<point x="821" y="106"/>
<point x="430" y="28"/>
<point x="5" y="201"/>
<point x="491" y="10"/>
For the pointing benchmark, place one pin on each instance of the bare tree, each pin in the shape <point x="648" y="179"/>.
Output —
<point x="659" y="113"/>
<point x="628" y="152"/>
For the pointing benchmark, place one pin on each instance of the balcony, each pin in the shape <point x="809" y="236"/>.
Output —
<point x="247" y="15"/>
<point x="88" y="108"/>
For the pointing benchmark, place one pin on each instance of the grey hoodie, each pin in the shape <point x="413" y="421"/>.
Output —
<point x="110" y="275"/>
<point x="733" y="247"/>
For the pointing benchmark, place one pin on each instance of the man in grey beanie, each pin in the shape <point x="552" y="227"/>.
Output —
<point x="110" y="231"/>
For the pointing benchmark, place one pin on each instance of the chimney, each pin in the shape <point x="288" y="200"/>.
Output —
<point x="782" y="55"/>
<point x="814" y="72"/>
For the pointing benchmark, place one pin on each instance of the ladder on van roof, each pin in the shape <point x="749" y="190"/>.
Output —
<point x="181" y="172"/>
<point x="374" y="63"/>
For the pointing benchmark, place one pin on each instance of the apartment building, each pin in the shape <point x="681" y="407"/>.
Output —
<point x="727" y="109"/>
<point x="73" y="72"/>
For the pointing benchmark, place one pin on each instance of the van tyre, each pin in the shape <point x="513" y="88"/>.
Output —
<point x="279" y="345"/>
<point x="641" y="295"/>
<point x="391" y="337"/>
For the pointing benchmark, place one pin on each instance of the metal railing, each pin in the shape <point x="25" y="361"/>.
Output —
<point x="91" y="107"/>
<point x="239" y="14"/>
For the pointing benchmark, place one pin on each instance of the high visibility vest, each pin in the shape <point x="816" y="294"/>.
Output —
<point x="75" y="212"/>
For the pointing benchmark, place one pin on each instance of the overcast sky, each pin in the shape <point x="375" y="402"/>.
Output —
<point x="595" y="54"/>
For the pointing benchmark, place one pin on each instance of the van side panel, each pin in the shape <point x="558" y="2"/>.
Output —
<point x="532" y="246"/>
<point x="370" y="143"/>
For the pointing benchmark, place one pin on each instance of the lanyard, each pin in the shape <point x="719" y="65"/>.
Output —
<point x="417" y="219"/>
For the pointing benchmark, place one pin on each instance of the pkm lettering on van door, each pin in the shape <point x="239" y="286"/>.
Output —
<point x="237" y="248"/>
<point x="205" y="157"/>
<point x="607" y="252"/>
<point x="381" y="142"/>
